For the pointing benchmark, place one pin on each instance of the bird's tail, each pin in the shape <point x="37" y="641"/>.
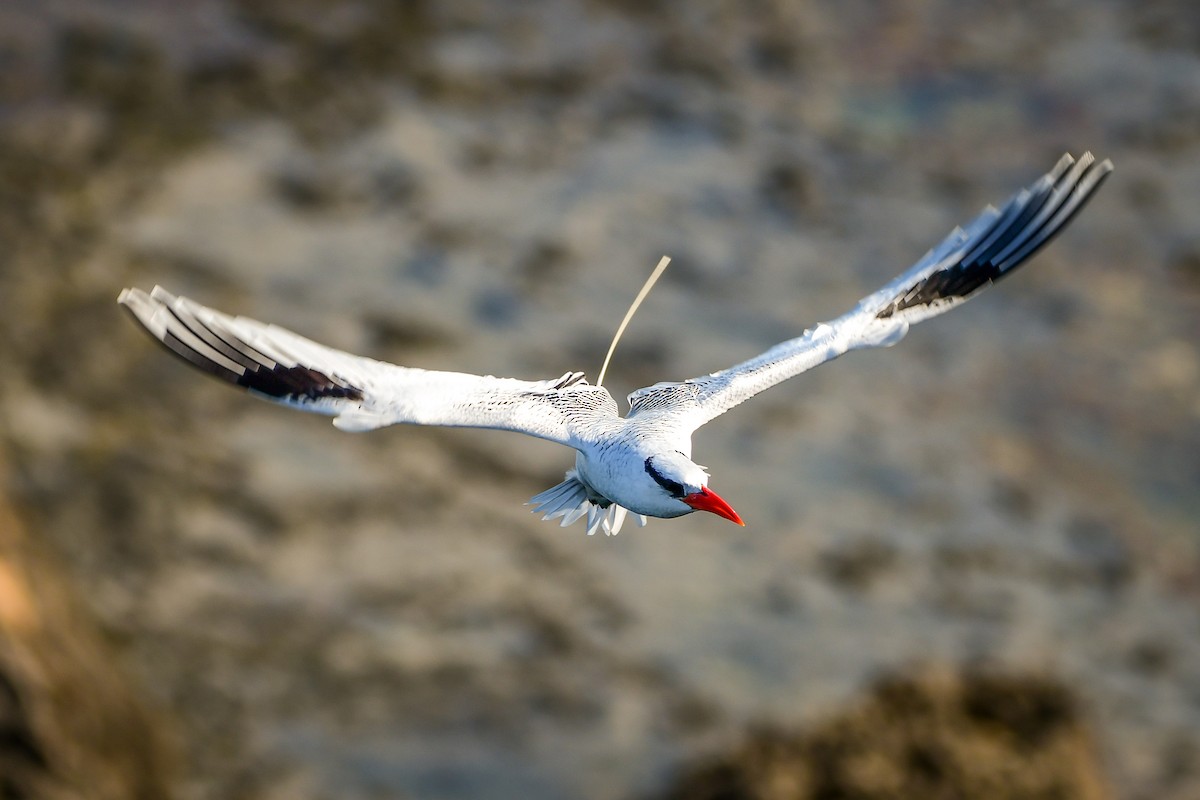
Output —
<point x="571" y="500"/>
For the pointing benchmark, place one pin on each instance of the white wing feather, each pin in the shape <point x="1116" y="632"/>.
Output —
<point x="969" y="260"/>
<point x="361" y="393"/>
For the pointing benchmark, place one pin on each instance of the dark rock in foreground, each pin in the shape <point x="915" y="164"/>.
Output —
<point x="935" y="735"/>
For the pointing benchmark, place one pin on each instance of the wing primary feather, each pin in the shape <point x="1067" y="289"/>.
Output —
<point x="1062" y="189"/>
<point x="1079" y="197"/>
<point x="361" y="393"/>
<point x="1030" y="220"/>
<point x="185" y="310"/>
<point x="248" y="358"/>
<point x="222" y="327"/>
<point x="225" y="355"/>
<point x="1001" y="224"/>
<point x="993" y="244"/>
<point x="191" y="354"/>
<point x="1023" y="206"/>
<point x="1033" y="199"/>
<point x="158" y="321"/>
<point x="191" y="338"/>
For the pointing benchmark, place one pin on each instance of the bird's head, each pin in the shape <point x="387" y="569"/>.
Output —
<point x="686" y="482"/>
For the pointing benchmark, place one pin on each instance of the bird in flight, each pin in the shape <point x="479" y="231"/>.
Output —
<point x="640" y="463"/>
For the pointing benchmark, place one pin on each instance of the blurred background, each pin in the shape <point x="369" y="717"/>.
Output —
<point x="972" y="562"/>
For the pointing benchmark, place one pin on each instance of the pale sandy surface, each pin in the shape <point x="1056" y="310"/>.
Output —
<point x="327" y="615"/>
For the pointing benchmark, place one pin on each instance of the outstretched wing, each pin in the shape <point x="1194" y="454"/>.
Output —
<point x="360" y="393"/>
<point x="969" y="260"/>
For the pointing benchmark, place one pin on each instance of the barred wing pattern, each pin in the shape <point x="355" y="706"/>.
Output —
<point x="360" y="393"/>
<point x="969" y="260"/>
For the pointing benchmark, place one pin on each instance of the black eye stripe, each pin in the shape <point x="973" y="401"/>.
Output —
<point x="672" y="488"/>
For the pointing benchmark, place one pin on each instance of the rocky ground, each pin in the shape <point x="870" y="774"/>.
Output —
<point x="1009" y="495"/>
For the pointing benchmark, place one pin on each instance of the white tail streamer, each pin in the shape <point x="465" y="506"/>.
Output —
<point x="637" y="301"/>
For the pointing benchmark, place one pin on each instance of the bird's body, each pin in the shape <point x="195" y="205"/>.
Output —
<point x="639" y="463"/>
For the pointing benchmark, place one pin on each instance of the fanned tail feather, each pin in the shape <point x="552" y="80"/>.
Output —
<point x="570" y="500"/>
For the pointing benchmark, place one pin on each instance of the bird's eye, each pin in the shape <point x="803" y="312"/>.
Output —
<point x="673" y="488"/>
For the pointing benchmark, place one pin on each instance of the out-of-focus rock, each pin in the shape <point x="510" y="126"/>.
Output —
<point x="929" y="735"/>
<point x="72" y="726"/>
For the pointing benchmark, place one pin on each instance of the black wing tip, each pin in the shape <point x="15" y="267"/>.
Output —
<point x="1071" y="193"/>
<point x="1032" y="218"/>
<point x="223" y="355"/>
<point x="297" y="383"/>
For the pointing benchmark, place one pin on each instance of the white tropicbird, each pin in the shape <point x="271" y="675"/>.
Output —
<point x="640" y="462"/>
